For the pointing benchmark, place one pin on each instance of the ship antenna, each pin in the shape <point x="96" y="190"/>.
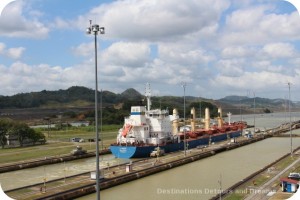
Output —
<point x="148" y="95"/>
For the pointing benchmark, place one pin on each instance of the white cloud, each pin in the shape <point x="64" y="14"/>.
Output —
<point x="237" y="52"/>
<point x="266" y="65"/>
<point x="14" y="53"/>
<point x="127" y="54"/>
<point x="155" y="20"/>
<point x="184" y="55"/>
<point x="231" y="68"/>
<point x="21" y="77"/>
<point x="2" y="48"/>
<point x="279" y="50"/>
<point x="84" y="49"/>
<point x="263" y="83"/>
<point x="14" y="24"/>
<point x="256" y="25"/>
<point x="61" y="24"/>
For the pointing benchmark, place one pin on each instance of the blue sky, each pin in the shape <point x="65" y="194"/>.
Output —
<point x="218" y="47"/>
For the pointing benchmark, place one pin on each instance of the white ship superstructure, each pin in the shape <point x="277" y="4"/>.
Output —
<point x="146" y="126"/>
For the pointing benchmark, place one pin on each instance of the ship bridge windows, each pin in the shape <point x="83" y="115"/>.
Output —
<point x="154" y="115"/>
<point x="161" y="116"/>
<point x="154" y="134"/>
<point x="138" y="109"/>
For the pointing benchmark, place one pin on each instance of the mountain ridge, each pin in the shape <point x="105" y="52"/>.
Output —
<point x="69" y="96"/>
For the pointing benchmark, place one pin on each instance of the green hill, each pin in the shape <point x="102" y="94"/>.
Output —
<point x="74" y="96"/>
<point x="78" y="102"/>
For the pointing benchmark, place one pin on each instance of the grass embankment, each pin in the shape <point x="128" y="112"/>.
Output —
<point x="242" y="191"/>
<point x="58" y="143"/>
<point x="108" y="132"/>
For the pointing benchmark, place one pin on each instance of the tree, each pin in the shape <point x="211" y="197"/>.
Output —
<point x="21" y="131"/>
<point x="36" y="136"/>
<point x="4" y="128"/>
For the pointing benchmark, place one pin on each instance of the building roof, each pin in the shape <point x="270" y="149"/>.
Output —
<point x="288" y="180"/>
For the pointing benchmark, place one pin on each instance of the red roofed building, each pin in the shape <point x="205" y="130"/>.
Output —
<point x="289" y="185"/>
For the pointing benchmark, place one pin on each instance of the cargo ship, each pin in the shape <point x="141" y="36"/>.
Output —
<point x="146" y="128"/>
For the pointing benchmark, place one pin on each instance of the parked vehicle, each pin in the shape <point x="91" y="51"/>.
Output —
<point x="78" y="151"/>
<point x="157" y="152"/>
<point x="294" y="176"/>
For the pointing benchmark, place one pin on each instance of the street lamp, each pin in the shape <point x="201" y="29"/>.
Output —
<point x="95" y="29"/>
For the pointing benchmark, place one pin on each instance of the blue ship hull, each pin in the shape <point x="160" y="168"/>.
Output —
<point x="144" y="151"/>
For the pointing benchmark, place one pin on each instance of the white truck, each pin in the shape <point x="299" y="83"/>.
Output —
<point x="157" y="152"/>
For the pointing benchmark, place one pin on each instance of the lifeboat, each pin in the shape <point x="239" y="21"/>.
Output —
<point x="126" y="129"/>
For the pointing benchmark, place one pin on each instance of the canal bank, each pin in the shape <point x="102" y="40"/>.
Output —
<point x="48" y="161"/>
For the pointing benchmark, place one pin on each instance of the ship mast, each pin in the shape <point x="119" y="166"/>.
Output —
<point x="148" y="95"/>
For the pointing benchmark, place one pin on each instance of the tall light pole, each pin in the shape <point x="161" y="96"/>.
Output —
<point x="241" y="108"/>
<point x="200" y="108"/>
<point x="289" y="84"/>
<point x="184" y="131"/>
<point x="254" y="107"/>
<point x="95" y="29"/>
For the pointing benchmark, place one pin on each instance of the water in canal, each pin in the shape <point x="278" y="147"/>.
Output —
<point x="200" y="179"/>
<point x="20" y="178"/>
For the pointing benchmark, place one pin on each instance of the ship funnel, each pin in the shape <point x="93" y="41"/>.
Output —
<point x="175" y="112"/>
<point x="207" y="119"/>
<point x="175" y="121"/>
<point x="220" y="119"/>
<point x="229" y="118"/>
<point x="193" y="113"/>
